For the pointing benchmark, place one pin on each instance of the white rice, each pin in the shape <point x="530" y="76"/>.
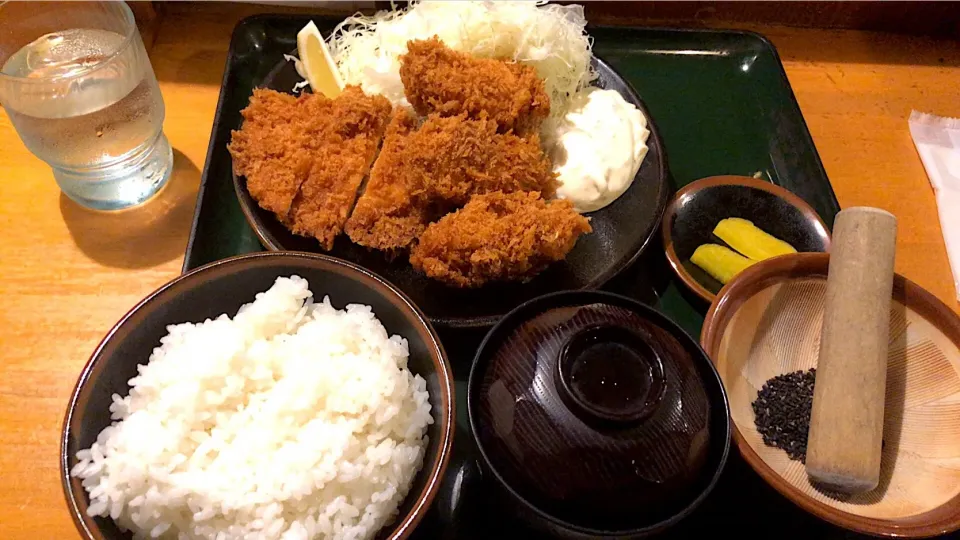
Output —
<point x="293" y="420"/>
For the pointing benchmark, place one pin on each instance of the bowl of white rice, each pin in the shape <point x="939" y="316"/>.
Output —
<point x="267" y="396"/>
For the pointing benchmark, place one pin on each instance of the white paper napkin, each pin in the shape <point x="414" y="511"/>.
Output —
<point x="938" y="143"/>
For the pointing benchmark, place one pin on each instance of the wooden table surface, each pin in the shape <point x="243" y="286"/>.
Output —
<point x="69" y="274"/>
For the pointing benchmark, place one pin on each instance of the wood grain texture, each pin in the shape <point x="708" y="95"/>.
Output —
<point x="70" y="274"/>
<point x="921" y="18"/>
<point x="920" y="461"/>
<point x="846" y="423"/>
<point x="769" y="321"/>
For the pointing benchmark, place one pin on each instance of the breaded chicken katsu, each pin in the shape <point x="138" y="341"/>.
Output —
<point x="423" y="173"/>
<point x="437" y="79"/>
<point x="388" y="216"/>
<point x="268" y="150"/>
<point x="465" y="190"/>
<point x="455" y="158"/>
<point x="344" y="152"/>
<point x="305" y="158"/>
<point x="498" y="237"/>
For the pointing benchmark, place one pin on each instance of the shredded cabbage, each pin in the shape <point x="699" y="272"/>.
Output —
<point x="300" y="71"/>
<point x="550" y="38"/>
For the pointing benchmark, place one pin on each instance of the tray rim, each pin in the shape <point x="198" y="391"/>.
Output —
<point x="767" y="44"/>
<point x="830" y="202"/>
<point x="211" y="147"/>
<point x="763" y="40"/>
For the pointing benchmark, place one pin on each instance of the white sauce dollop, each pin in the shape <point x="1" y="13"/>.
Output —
<point x="597" y="148"/>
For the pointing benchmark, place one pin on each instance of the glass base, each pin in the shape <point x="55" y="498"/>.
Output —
<point x="122" y="184"/>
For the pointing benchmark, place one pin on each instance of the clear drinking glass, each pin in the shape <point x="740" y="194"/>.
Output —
<point x="78" y="86"/>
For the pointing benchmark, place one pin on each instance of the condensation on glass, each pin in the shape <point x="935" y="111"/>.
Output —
<point x="78" y="86"/>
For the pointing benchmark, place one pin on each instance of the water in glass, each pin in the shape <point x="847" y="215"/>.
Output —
<point x="89" y="105"/>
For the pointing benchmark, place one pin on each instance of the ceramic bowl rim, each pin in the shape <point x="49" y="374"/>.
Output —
<point x="688" y="190"/>
<point x="660" y="320"/>
<point x="774" y="270"/>
<point x="271" y="243"/>
<point x="438" y="356"/>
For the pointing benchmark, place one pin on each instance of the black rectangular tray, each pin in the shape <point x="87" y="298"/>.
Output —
<point x="723" y="105"/>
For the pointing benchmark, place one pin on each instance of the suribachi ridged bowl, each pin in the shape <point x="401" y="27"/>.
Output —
<point x="767" y="321"/>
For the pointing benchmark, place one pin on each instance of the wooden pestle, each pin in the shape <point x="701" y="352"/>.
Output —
<point x="846" y="424"/>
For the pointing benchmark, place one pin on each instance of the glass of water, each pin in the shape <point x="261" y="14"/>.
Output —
<point x="78" y="86"/>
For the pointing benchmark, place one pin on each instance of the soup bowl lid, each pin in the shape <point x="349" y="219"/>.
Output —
<point x="596" y="408"/>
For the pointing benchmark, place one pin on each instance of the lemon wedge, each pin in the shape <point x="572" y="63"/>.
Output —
<point x="318" y="66"/>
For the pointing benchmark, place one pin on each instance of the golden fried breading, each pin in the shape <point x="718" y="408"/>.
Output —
<point x="422" y="173"/>
<point x="342" y="152"/>
<point x="437" y="79"/>
<point x="498" y="237"/>
<point x="268" y="151"/>
<point x="305" y="158"/>
<point x="387" y="216"/>
<point x="326" y="197"/>
<point x="454" y="158"/>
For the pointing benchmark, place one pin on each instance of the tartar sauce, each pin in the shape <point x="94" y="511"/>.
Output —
<point x="598" y="147"/>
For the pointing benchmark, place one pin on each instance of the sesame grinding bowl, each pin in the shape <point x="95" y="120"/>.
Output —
<point x="763" y="335"/>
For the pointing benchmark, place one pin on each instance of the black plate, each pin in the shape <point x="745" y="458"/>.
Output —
<point x="620" y="232"/>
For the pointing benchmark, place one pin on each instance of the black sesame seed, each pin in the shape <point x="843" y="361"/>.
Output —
<point x="782" y="412"/>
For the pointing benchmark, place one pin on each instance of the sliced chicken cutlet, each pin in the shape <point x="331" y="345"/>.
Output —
<point x="455" y="157"/>
<point x="437" y="79"/>
<point x="305" y="158"/>
<point x="387" y="215"/>
<point x="423" y="173"/>
<point x="268" y="150"/>
<point x="343" y="151"/>
<point x="498" y="237"/>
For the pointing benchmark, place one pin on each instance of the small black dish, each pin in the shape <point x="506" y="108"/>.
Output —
<point x="222" y="287"/>
<point x="695" y="210"/>
<point x="621" y="231"/>
<point x="596" y="416"/>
